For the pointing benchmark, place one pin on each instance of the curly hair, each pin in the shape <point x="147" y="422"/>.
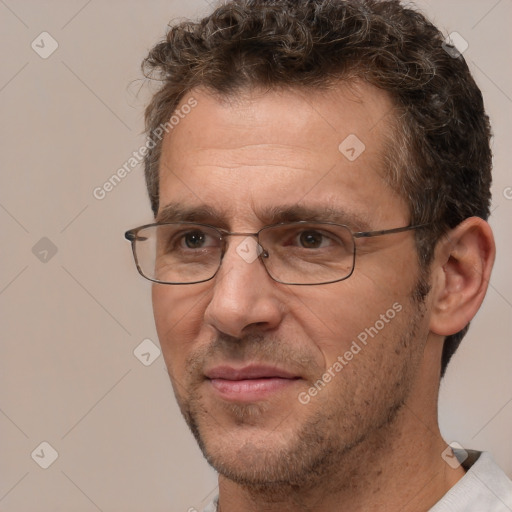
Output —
<point x="437" y="155"/>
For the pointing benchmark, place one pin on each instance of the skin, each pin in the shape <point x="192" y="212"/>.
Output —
<point x="369" y="440"/>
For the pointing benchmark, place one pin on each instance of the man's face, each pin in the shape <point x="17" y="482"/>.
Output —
<point x="253" y="361"/>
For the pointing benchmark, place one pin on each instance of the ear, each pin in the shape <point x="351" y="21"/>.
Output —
<point x="460" y="275"/>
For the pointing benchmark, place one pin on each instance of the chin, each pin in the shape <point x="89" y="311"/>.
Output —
<point x="262" y="456"/>
<point x="256" y="464"/>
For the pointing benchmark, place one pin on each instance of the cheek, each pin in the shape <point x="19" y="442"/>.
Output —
<point x="178" y="313"/>
<point x="336" y="316"/>
<point x="374" y="360"/>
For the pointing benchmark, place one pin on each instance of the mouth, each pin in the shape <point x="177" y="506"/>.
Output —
<point x="250" y="383"/>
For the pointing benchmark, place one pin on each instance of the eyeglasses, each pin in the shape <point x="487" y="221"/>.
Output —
<point x="294" y="253"/>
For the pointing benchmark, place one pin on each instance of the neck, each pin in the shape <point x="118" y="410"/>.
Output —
<point x="398" y="467"/>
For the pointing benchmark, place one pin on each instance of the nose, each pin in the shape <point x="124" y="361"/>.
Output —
<point x="244" y="296"/>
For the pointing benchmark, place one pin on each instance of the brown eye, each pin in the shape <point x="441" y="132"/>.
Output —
<point x="311" y="239"/>
<point x="194" y="239"/>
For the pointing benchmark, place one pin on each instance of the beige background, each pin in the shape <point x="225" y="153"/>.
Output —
<point x="70" y="325"/>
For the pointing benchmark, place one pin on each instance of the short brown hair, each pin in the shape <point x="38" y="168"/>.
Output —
<point x="438" y="156"/>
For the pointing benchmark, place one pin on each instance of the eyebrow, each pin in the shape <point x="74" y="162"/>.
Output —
<point x="324" y="213"/>
<point x="178" y="212"/>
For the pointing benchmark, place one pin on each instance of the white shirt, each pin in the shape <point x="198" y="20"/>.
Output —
<point x="484" y="488"/>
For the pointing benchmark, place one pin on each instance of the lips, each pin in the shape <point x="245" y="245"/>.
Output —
<point x="250" y="383"/>
<point x="248" y="372"/>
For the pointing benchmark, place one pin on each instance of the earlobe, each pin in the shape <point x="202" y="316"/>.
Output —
<point x="461" y="273"/>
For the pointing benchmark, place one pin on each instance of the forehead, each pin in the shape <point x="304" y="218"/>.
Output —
<point x="323" y="115"/>
<point x="265" y="148"/>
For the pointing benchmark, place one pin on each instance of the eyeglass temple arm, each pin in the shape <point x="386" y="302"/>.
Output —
<point x="369" y="234"/>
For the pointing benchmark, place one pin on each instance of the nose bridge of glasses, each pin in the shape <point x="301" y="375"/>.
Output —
<point x="237" y="233"/>
<point x="242" y="251"/>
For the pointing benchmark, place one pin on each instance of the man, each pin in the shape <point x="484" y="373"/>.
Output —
<point x="319" y="172"/>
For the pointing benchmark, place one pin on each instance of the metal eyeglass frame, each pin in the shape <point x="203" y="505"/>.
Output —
<point x="131" y="236"/>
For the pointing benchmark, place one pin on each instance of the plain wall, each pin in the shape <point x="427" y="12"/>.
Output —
<point x="70" y="324"/>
